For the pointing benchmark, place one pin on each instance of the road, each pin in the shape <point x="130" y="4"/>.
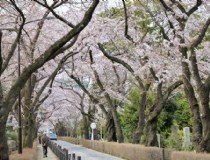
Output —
<point x="85" y="153"/>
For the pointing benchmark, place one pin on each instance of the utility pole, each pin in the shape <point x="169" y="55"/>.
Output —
<point x="19" y="108"/>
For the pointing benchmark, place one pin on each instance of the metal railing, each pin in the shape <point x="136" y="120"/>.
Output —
<point x="62" y="153"/>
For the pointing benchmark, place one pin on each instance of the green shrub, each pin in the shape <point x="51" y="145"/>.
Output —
<point x="12" y="136"/>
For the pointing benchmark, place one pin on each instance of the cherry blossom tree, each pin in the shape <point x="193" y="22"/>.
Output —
<point x="94" y="98"/>
<point x="55" y="48"/>
<point x="179" y="24"/>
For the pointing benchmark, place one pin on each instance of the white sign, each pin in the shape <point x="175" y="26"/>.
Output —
<point x="93" y="125"/>
<point x="186" y="137"/>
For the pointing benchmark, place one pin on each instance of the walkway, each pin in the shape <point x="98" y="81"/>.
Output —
<point x="85" y="153"/>
<point x="50" y="155"/>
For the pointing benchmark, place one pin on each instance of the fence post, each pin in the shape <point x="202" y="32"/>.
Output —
<point x="62" y="154"/>
<point x="73" y="156"/>
<point x="65" y="153"/>
<point x="69" y="157"/>
<point x="163" y="154"/>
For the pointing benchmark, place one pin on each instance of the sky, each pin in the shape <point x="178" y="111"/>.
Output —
<point x="113" y="3"/>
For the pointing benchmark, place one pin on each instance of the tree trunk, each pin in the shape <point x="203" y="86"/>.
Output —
<point x="29" y="131"/>
<point x="205" y="144"/>
<point x="138" y="134"/>
<point x="4" y="155"/>
<point x="205" y="118"/>
<point x="194" y="108"/>
<point x="151" y="128"/>
<point x="110" y="129"/>
<point x="119" y="133"/>
<point x="85" y="127"/>
<point x="141" y="123"/>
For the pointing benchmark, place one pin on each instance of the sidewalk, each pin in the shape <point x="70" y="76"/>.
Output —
<point x="50" y="155"/>
<point x="85" y="153"/>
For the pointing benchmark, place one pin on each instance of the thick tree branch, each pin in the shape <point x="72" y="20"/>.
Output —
<point x="159" y="87"/>
<point x="38" y="31"/>
<point x="14" y="45"/>
<point x="115" y="59"/>
<point x="194" y="8"/>
<point x="179" y="5"/>
<point x="124" y="64"/>
<point x="168" y="9"/>
<point x="50" y="8"/>
<point x="162" y="30"/>
<point x="50" y="78"/>
<point x="126" y="23"/>
<point x="172" y="88"/>
<point x="64" y="48"/>
<point x="195" y="70"/>
<point x="166" y="6"/>
<point x="1" y="60"/>
<point x="116" y="74"/>
<point x="160" y="103"/>
<point x="200" y="37"/>
<point x="153" y="74"/>
<point x="13" y="93"/>
<point x="92" y="98"/>
<point x="207" y="83"/>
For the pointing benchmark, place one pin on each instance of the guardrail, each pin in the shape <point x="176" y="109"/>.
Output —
<point x="62" y="153"/>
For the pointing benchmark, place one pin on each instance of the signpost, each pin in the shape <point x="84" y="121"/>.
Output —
<point x="92" y="126"/>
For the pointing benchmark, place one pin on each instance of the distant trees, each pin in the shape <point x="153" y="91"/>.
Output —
<point x="58" y="46"/>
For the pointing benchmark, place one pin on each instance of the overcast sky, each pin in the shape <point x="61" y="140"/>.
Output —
<point x="113" y="3"/>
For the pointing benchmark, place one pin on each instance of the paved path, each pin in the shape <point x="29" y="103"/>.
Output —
<point x="50" y="155"/>
<point x="85" y="153"/>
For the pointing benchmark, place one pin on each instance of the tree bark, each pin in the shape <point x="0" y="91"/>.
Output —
<point x="85" y="127"/>
<point x="141" y="123"/>
<point x="194" y="108"/>
<point x="3" y="139"/>
<point x="113" y="108"/>
<point x="29" y="131"/>
<point x="110" y="128"/>
<point x="205" y="118"/>
<point x="151" y="128"/>
<point x="203" y="93"/>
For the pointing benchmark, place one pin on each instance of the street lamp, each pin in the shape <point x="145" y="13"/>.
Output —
<point x="19" y="108"/>
<point x="93" y="126"/>
<point x="20" y="145"/>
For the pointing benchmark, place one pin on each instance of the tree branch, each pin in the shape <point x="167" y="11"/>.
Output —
<point x="92" y="98"/>
<point x="159" y="87"/>
<point x="1" y="60"/>
<point x="166" y="6"/>
<point x="194" y="8"/>
<point x="13" y="93"/>
<point x="195" y="70"/>
<point x="124" y="64"/>
<point x="14" y="45"/>
<point x="182" y="9"/>
<point x="203" y="31"/>
<point x="50" y="8"/>
<point x="159" y="105"/>
<point x="38" y="31"/>
<point x="207" y="83"/>
<point x="126" y="23"/>
<point x="50" y="78"/>
<point x="115" y="59"/>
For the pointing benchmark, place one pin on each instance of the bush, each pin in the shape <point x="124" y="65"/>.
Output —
<point x="12" y="136"/>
